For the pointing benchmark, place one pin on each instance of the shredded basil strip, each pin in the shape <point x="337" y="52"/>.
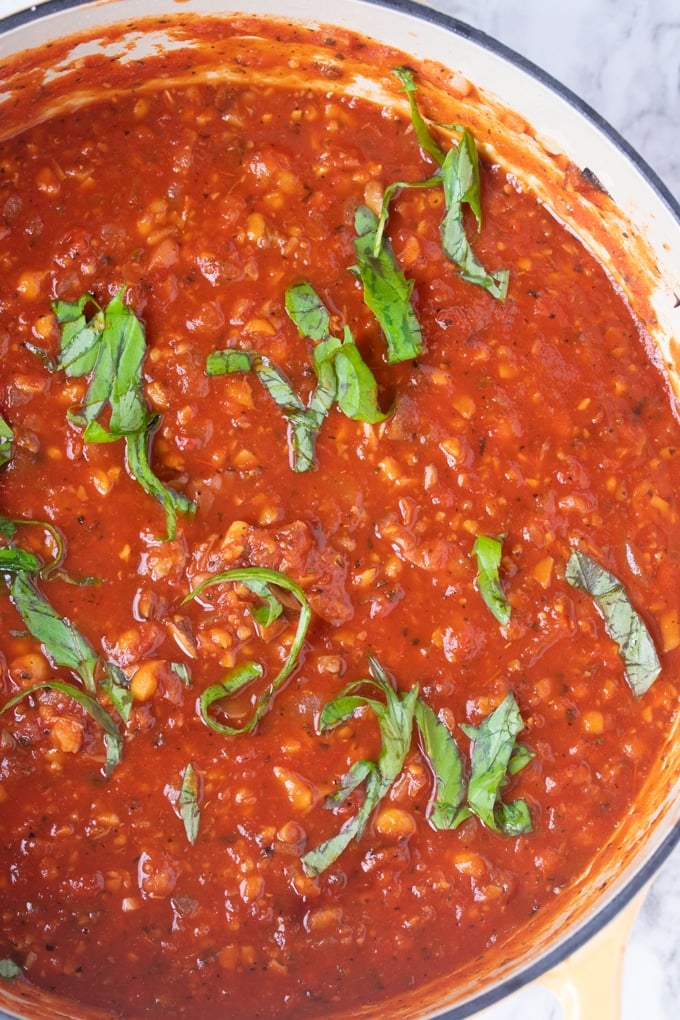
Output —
<point x="110" y="348"/>
<point x="112" y="737"/>
<point x="342" y="377"/>
<point x="62" y="641"/>
<point x="9" y="526"/>
<point x="623" y="624"/>
<point x="493" y="748"/>
<point x="495" y="757"/>
<point x="521" y="756"/>
<point x="488" y="552"/>
<point x="137" y="458"/>
<point x="117" y="687"/>
<point x="395" y="719"/>
<point x="459" y="175"/>
<point x="425" y="139"/>
<point x="13" y="558"/>
<point x="237" y="678"/>
<point x="6" y="445"/>
<point x="389" y="193"/>
<point x="263" y="583"/>
<point x="189" y="802"/>
<point x="308" y="312"/>
<point x="9" y="970"/>
<point x="446" y="811"/>
<point x="387" y="292"/>
<point x="357" y="389"/>
<point x="304" y="422"/>
<point x="181" y="670"/>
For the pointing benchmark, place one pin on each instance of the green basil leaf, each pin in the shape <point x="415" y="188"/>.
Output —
<point x="272" y="607"/>
<point x="513" y="819"/>
<point x="98" y="393"/>
<point x="64" y="645"/>
<point x="70" y="313"/>
<point x="225" y="362"/>
<point x="340" y="709"/>
<point x="357" y="389"/>
<point x="117" y="686"/>
<point x="461" y="181"/>
<point x="112" y="737"/>
<point x="460" y="177"/>
<point x="342" y="376"/>
<point x="425" y="140"/>
<point x="358" y="773"/>
<point x="623" y="624"/>
<point x="520" y="757"/>
<point x="308" y="312"/>
<point x="137" y="458"/>
<point x="395" y="717"/>
<point x="9" y="970"/>
<point x="390" y="191"/>
<point x="318" y="860"/>
<point x="79" y="343"/>
<point x="110" y="348"/>
<point x="488" y="552"/>
<point x="19" y="560"/>
<point x="6" y="442"/>
<point x="113" y="742"/>
<point x="447" y="765"/>
<point x="181" y="670"/>
<point x="13" y="559"/>
<point x="189" y="802"/>
<point x="493" y="745"/>
<point x="260" y="580"/>
<point x="304" y="429"/>
<point x="96" y="433"/>
<point x="125" y="335"/>
<point x="387" y="292"/>
<point x="304" y="422"/>
<point x="396" y="725"/>
<point x="271" y="377"/>
<point x="8" y="527"/>
<point x="325" y="391"/>
<point x="236" y="680"/>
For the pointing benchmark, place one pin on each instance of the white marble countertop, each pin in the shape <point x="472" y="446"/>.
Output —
<point x="623" y="58"/>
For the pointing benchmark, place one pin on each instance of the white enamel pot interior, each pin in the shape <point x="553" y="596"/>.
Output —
<point x="541" y="132"/>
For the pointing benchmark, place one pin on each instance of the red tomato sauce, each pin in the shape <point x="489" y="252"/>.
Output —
<point x="540" y="418"/>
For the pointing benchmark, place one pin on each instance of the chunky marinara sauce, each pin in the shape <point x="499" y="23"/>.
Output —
<point x="539" y="418"/>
